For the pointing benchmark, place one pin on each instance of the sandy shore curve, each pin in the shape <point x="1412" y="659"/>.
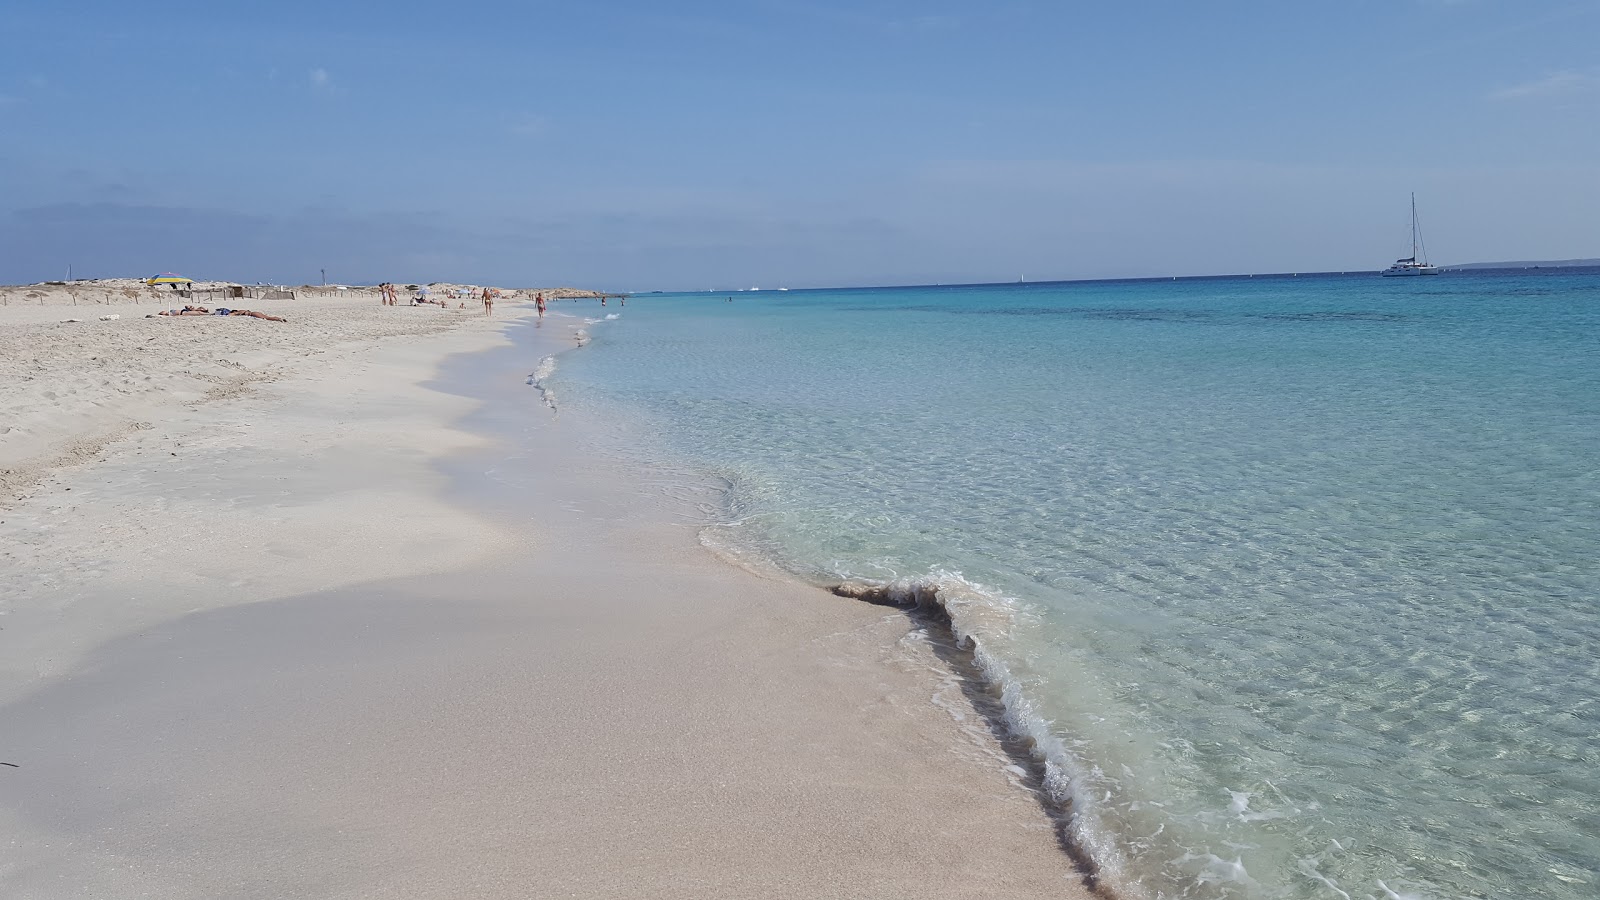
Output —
<point x="337" y="608"/>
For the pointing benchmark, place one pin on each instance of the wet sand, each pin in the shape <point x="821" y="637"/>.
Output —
<point x="350" y="648"/>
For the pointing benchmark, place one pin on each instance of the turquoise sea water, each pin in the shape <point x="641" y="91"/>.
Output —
<point x="1295" y="581"/>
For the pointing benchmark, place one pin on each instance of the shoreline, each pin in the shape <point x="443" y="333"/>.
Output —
<point x="955" y="617"/>
<point x="615" y="710"/>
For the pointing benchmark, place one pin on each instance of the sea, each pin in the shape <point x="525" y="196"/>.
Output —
<point x="1290" y="583"/>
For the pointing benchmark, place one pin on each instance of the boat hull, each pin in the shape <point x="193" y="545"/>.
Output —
<point x="1394" y="271"/>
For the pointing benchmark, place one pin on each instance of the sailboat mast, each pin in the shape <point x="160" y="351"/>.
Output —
<point x="1413" y="225"/>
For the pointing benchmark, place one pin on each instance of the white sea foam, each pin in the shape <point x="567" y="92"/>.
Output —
<point x="1387" y="892"/>
<point x="979" y="616"/>
<point x="540" y="379"/>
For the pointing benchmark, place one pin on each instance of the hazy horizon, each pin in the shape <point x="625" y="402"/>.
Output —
<point x="790" y="143"/>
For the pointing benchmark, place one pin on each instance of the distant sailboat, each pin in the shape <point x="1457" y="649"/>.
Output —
<point x="1411" y="264"/>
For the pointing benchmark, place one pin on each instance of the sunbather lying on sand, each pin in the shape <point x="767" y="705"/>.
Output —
<point x="202" y="311"/>
<point x="252" y="313"/>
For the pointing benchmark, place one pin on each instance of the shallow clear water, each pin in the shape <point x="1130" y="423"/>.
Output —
<point x="1297" y="580"/>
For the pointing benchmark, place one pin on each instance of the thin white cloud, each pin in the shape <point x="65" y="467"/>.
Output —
<point x="1559" y="84"/>
<point x="528" y="126"/>
<point x="322" y="82"/>
<point x="19" y="94"/>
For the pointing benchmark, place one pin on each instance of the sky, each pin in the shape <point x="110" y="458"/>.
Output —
<point x="631" y="145"/>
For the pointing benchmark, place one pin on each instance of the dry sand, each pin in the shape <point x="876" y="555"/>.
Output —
<point x="295" y="632"/>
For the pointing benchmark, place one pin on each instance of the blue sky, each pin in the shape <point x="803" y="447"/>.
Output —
<point x="640" y="146"/>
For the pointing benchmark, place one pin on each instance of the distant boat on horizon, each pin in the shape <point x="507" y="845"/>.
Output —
<point x="1410" y="265"/>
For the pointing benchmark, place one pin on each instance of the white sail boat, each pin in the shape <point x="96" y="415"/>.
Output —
<point x="1412" y="265"/>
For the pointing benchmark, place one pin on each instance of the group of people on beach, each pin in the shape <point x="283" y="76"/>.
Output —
<point x="539" y="302"/>
<point x="389" y="295"/>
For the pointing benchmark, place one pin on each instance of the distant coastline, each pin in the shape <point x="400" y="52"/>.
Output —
<point x="120" y="291"/>
<point x="1529" y="264"/>
<point x="1139" y="279"/>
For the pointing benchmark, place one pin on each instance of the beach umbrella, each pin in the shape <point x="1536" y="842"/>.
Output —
<point x="169" y="278"/>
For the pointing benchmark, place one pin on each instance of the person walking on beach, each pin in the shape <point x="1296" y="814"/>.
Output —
<point x="538" y="302"/>
<point x="488" y="302"/>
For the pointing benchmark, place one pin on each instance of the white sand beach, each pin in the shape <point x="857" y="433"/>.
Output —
<point x="285" y="614"/>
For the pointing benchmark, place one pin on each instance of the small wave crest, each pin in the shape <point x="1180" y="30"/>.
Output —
<point x="979" y="617"/>
<point x="540" y="379"/>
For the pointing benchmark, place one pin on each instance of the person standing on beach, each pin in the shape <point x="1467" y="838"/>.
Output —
<point x="538" y="302"/>
<point x="488" y="301"/>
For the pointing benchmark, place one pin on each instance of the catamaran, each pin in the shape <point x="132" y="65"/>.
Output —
<point x="1410" y="265"/>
